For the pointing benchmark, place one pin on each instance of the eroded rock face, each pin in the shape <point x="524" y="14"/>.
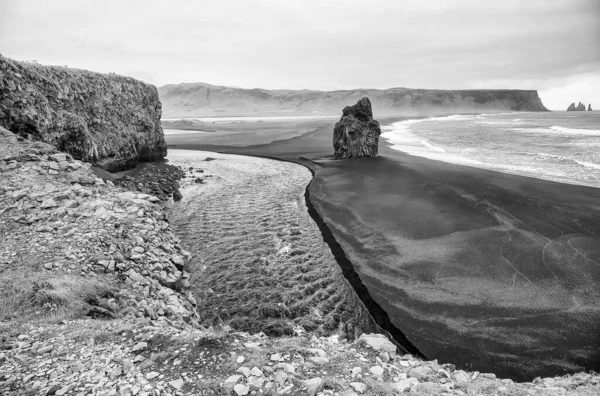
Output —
<point x="579" y="107"/>
<point x="356" y="134"/>
<point x="111" y="121"/>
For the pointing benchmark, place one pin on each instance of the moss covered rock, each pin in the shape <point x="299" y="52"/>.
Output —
<point x="111" y="121"/>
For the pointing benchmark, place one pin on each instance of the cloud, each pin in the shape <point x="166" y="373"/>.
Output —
<point x="312" y="44"/>
<point x="576" y="88"/>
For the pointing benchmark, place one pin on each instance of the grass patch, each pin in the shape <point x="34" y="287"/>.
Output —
<point x="42" y="296"/>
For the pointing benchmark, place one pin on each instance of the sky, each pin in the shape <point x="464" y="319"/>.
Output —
<point x="549" y="45"/>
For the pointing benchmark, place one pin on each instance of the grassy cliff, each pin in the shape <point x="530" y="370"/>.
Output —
<point x="111" y="121"/>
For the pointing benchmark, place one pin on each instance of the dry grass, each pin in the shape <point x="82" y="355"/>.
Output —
<point x="35" y="296"/>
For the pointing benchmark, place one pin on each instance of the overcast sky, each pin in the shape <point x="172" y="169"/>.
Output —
<point x="549" y="45"/>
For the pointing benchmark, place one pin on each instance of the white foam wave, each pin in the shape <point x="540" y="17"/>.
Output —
<point x="402" y="139"/>
<point x="560" y="158"/>
<point x="587" y="164"/>
<point x="575" y="131"/>
<point x="556" y="130"/>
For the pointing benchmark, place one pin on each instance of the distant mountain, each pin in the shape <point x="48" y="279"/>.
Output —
<point x="203" y="100"/>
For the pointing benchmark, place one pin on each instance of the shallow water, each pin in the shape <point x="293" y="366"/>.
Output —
<point x="260" y="262"/>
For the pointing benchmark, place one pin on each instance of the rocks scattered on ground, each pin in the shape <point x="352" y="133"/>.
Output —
<point x="104" y="359"/>
<point x="158" y="179"/>
<point x="356" y="134"/>
<point x="150" y="342"/>
<point x="79" y="224"/>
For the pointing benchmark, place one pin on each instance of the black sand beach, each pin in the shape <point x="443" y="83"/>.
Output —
<point x="490" y="271"/>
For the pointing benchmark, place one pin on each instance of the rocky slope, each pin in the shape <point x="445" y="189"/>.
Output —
<point x="108" y="120"/>
<point x="74" y="247"/>
<point x="203" y="100"/>
<point x="356" y="134"/>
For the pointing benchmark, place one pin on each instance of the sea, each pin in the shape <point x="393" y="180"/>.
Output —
<point x="559" y="146"/>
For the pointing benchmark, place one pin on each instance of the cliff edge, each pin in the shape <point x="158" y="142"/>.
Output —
<point x="205" y="100"/>
<point x="108" y="120"/>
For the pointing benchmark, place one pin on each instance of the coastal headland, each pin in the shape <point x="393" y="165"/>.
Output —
<point x="98" y="288"/>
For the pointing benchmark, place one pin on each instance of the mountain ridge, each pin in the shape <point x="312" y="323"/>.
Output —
<point x="202" y="99"/>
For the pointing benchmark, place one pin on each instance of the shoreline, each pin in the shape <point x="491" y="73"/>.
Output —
<point x="141" y="343"/>
<point x="461" y="160"/>
<point x="383" y="194"/>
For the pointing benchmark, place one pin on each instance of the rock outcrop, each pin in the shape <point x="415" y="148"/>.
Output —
<point x="356" y="134"/>
<point x="110" y="121"/>
<point x="590" y="107"/>
<point x="579" y="107"/>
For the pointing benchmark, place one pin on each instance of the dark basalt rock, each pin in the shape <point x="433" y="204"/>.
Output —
<point x="108" y="120"/>
<point x="590" y="107"/>
<point x="356" y="134"/>
<point x="579" y="107"/>
<point x="158" y="179"/>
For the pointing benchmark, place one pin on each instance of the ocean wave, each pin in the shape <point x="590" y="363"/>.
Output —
<point x="558" y="130"/>
<point x="576" y="131"/>
<point x="431" y="146"/>
<point x="559" y="158"/>
<point x="507" y="122"/>
<point x="510" y="113"/>
<point x="591" y="165"/>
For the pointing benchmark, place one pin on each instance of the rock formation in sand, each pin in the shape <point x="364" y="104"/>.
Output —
<point x="590" y="107"/>
<point x="579" y="107"/>
<point x="108" y="120"/>
<point x="356" y="134"/>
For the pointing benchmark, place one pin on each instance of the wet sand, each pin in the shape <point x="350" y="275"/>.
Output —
<point x="490" y="271"/>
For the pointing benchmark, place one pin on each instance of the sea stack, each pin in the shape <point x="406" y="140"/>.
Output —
<point x="590" y="107"/>
<point x="356" y="134"/>
<point x="580" y="107"/>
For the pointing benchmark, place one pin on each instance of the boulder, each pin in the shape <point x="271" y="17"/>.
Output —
<point x="378" y="342"/>
<point x="356" y="134"/>
<point x="314" y="385"/>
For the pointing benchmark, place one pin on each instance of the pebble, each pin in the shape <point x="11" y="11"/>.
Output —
<point x="377" y="371"/>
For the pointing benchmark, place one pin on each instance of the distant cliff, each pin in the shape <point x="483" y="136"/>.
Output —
<point x="199" y="99"/>
<point x="109" y="120"/>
